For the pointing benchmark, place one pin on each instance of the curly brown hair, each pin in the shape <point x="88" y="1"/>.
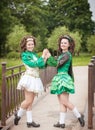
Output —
<point x="24" y="41"/>
<point x="71" y="41"/>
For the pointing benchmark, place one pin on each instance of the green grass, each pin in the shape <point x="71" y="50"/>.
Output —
<point x="11" y="62"/>
<point x="82" y="60"/>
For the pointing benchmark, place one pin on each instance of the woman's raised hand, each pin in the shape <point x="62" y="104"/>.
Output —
<point x="46" y="54"/>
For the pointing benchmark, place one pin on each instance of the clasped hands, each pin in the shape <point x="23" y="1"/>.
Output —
<point x="46" y="54"/>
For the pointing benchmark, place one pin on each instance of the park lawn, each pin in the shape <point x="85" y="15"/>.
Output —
<point x="11" y="62"/>
<point x="82" y="60"/>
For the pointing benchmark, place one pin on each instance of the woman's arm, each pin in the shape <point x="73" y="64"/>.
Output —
<point x="63" y="60"/>
<point x="51" y="61"/>
<point x="33" y="63"/>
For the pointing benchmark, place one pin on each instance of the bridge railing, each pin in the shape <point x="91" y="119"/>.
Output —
<point x="10" y="96"/>
<point x="91" y="91"/>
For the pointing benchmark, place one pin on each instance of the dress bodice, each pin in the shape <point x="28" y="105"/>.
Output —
<point x="32" y="71"/>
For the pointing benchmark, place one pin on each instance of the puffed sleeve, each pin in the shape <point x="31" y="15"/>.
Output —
<point x="51" y="61"/>
<point x="32" y="63"/>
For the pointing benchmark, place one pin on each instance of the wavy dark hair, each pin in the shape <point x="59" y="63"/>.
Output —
<point x="24" y="41"/>
<point x="71" y="41"/>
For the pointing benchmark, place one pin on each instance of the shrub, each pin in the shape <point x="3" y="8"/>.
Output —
<point x="14" y="55"/>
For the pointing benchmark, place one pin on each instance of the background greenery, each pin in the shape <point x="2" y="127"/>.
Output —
<point x="46" y="20"/>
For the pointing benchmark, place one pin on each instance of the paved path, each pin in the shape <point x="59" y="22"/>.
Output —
<point x="46" y="107"/>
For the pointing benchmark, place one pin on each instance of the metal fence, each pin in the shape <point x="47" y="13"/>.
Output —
<point x="91" y="91"/>
<point x="11" y="97"/>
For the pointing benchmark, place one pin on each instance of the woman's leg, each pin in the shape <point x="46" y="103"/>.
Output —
<point x="27" y="103"/>
<point x="63" y="111"/>
<point x="64" y="99"/>
<point x="29" y="98"/>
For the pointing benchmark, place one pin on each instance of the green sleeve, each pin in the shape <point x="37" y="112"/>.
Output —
<point x="51" y="61"/>
<point x="32" y="63"/>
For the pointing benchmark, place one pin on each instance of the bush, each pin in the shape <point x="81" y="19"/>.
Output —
<point x="14" y="55"/>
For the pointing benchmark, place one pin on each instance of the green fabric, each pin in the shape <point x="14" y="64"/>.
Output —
<point x="51" y="61"/>
<point x="62" y="81"/>
<point x="32" y="60"/>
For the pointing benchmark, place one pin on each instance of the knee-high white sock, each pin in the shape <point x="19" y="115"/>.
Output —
<point x="20" y="112"/>
<point x="76" y="112"/>
<point x="62" y="117"/>
<point x="29" y="116"/>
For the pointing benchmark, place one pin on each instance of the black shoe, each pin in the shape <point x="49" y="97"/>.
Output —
<point x="16" y="120"/>
<point x="33" y="124"/>
<point x="59" y="125"/>
<point x="81" y="121"/>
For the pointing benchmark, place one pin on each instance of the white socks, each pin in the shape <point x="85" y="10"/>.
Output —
<point x="29" y="116"/>
<point x="20" y="112"/>
<point x="76" y="112"/>
<point x="62" y="117"/>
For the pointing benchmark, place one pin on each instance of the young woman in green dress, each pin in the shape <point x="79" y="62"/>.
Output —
<point x="63" y="82"/>
<point x="30" y="81"/>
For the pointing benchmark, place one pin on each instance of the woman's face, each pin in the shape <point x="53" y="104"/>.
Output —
<point x="64" y="45"/>
<point x="30" y="44"/>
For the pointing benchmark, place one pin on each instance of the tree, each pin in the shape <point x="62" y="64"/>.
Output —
<point x="91" y="44"/>
<point x="14" y="38"/>
<point x="71" y="14"/>
<point x="6" y="22"/>
<point x="78" y="40"/>
<point x="32" y="15"/>
<point x="53" y="39"/>
<point x="75" y="15"/>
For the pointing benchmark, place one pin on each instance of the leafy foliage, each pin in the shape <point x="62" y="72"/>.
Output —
<point x="6" y="22"/>
<point x="91" y="44"/>
<point x="71" y="14"/>
<point x="41" y="17"/>
<point x="14" y="55"/>
<point x="14" y="38"/>
<point x="32" y="15"/>
<point x="53" y="39"/>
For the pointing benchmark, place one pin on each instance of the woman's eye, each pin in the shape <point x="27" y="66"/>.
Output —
<point x="64" y="43"/>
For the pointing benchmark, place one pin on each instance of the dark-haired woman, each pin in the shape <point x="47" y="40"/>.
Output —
<point x="30" y="81"/>
<point x="63" y="82"/>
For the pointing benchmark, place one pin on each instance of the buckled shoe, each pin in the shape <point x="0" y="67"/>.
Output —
<point x="16" y="120"/>
<point x="81" y="121"/>
<point x="32" y="124"/>
<point x="59" y="125"/>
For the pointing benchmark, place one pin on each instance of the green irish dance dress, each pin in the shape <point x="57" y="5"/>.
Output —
<point x="63" y="81"/>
